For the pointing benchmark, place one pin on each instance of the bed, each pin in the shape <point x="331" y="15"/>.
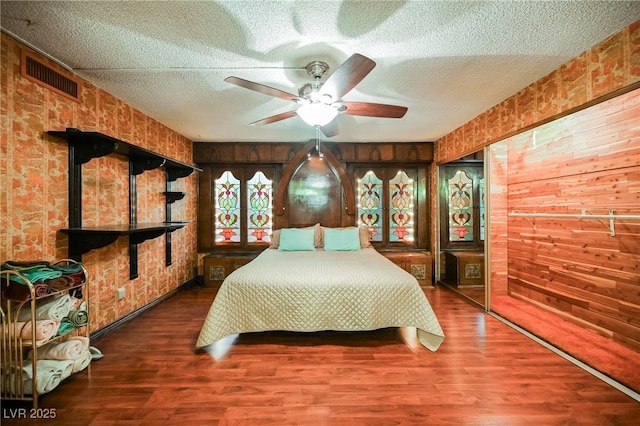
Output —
<point x="319" y="289"/>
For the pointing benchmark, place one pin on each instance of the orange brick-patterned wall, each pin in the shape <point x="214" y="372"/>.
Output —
<point x="607" y="67"/>
<point x="34" y="182"/>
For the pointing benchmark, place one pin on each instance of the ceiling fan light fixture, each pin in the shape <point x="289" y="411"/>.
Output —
<point x="317" y="114"/>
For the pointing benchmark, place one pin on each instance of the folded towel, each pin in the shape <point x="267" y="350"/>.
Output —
<point x="79" y="277"/>
<point x="75" y="303"/>
<point x="82" y="362"/>
<point x="33" y="273"/>
<point x="72" y="270"/>
<point x="25" y="268"/>
<point x="41" y="289"/>
<point x="60" y="283"/>
<point x="14" y="290"/>
<point x="19" y="291"/>
<point x="78" y="317"/>
<point x="48" y="378"/>
<point x="81" y="339"/>
<point x="20" y="266"/>
<point x="45" y="330"/>
<point x="53" y="308"/>
<point x="71" y="349"/>
<point x="65" y="327"/>
<point x="64" y="367"/>
<point x="12" y="382"/>
<point x="20" y="383"/>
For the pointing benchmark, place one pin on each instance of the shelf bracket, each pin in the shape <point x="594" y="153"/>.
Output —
<point x="612" y="221"/>
<point x="140" y="165"/>
<point x="174" y="173"/>
<point x="80" y="244"/>
<point x="533" y="225"/>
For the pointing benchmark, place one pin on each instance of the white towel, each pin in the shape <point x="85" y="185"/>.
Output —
<point x="82" y="339"/>
<point x="75" y="303"/>
<point x="64" y="367"/>
<point x="47" y="380"/>
<point x="82" y="362"/>
<point x="45" y="330"/>
<point x="49" y="308"/>
<point x="72" y="348"/>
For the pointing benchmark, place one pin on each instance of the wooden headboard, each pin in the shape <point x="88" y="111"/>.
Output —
<point x="308" y="188"/>
<point x="315" y="188"/>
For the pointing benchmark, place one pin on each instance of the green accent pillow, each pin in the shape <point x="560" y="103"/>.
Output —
<point x="296" y="239"/>
<point x="346" y="239"/>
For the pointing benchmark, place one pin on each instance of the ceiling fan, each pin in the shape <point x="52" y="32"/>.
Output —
<point x="320" y="102"/>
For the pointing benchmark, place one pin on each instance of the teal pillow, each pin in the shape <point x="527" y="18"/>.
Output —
<point x="346" y="239"/>
<point x="297" y="239"/>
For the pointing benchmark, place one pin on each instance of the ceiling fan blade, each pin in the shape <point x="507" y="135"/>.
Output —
<point x="331" y="129"/>
<point x="347" y="76"/>
<point x="261" y="88"/>
<point x="374" y="110"/>
<point x="274" y="118"/>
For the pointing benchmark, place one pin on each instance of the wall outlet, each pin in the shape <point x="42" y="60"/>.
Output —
<point x="120" y="293"/>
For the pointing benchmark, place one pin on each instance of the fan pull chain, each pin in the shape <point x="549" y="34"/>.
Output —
<point x="318" y="141"/>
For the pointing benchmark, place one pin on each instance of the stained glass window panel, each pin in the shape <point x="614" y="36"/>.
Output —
<point x="401" y="208"/>
<point x="370" y="204"/>
<point x="460" y="207"/>
<point x="227" y="208"/>
<point x="260" y="208"/>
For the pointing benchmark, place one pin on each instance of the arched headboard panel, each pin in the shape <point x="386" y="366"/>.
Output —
<point x="314" y="194"/>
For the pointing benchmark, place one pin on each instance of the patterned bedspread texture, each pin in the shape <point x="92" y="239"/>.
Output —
<point x="320" y="290"/>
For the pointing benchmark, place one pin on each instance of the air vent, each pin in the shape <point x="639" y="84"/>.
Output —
<point x="37" y="70"/>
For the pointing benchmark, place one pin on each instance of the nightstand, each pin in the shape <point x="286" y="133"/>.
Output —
<point x="417" y="263"/>
<point x="219" y="265"/>
<point x="464" y="268"/>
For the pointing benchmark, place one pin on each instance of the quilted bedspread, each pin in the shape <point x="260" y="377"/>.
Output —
<point x="320" y="290"/>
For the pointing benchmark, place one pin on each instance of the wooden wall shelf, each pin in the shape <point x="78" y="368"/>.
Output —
<point x="85" y="146"/>
<point x="90" y="145"/>
<point x="82" y="240"/>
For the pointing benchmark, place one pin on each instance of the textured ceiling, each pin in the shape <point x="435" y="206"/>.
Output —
<point x="446" y="61"/>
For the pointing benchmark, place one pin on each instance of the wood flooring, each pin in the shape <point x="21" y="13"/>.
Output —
<point x="485" y="373"/>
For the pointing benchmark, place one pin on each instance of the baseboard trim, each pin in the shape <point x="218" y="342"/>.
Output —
<point x="96" y="335"/>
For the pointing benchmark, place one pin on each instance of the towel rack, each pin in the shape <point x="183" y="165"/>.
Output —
<point x="585" y="214"/>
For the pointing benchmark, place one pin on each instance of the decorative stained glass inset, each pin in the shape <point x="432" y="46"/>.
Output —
<point x="370" y="204"/>
<point x="227" y="208"/>
<point x="260" y="208"/>
<point x="401" y="208"/>
<point x="460" y="207"/>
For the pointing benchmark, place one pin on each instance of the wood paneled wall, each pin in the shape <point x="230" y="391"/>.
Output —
<point x="590" y="161"/>
<point x="282" y="153"/>
<point x="286" y="159"/>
